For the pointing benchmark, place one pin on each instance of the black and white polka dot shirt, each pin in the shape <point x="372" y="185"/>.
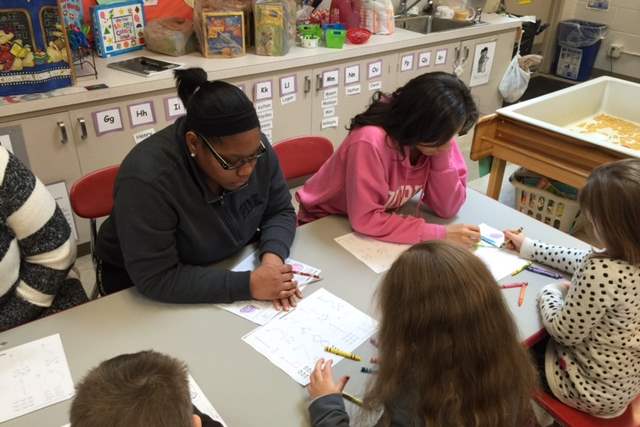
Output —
<point x="593" y="361"/>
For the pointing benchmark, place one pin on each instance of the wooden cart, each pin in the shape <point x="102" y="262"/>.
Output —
<point x="545" y="152"/>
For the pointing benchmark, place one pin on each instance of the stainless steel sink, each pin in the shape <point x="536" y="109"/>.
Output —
<point x="426" y="24"/>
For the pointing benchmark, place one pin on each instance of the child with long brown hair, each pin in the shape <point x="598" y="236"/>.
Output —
<point x="592" y="362"/>
<point x="448" y="350"/>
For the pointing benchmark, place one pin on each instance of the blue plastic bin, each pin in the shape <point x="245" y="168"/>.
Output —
<point x="577" y="48"/>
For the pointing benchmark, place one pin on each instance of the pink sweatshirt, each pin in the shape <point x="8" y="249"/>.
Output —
<point x="367" y="179"/>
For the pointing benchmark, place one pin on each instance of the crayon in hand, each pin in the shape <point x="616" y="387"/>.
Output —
<point x="342" y="353"/>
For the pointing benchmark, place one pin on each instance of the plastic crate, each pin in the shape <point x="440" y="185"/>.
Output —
<point x="556" y="211"/>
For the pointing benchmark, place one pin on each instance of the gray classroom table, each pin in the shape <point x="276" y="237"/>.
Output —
<point x="244" y="386"/>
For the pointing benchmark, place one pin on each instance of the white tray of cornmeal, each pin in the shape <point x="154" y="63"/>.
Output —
<point x="604" y="111"/>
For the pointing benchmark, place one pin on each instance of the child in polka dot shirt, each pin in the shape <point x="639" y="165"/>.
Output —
<point x="592" y="362"/>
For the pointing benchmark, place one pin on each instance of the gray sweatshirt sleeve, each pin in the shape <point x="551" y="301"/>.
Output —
<point x="146" y="231"/>
<point x="278" y="226"/>
<point x="328" y="411"/>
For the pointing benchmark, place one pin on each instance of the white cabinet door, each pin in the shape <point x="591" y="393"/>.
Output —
<point x="46" y="145"/>
<point x="359" y="87"/>
<point x="283" y="103"/>
<point x="103" y="135"/>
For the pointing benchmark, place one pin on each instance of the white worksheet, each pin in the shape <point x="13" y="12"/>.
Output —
<point x="199" y="399"/>
<point x="32" y="376"/>
<point x="261" y="312"/>
<point x="501" y="262"/>
<point x="377" y="255"/>
<point x="295" y="341"/>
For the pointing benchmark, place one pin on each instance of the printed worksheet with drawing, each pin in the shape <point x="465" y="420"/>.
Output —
<point x="295" y="341"/>
<point x="377" y="255"/>
<point x="501" y="262"/>
<point x="260" y="312"/>
<point x="32" y="376"/>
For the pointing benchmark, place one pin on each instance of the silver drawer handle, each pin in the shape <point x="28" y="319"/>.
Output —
<point x="83" y="128"/>
<point x="307" y="84"/>
<point x="64" y="138"/>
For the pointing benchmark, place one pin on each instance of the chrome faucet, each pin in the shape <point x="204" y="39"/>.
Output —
<point x="404" y="9"/>
<point x="478" y="17"/>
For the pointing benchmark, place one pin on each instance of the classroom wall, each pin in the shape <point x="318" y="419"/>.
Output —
<point x="623" y="19"/>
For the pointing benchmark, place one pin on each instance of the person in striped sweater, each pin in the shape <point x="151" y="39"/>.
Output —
<point x="37" y="249"/>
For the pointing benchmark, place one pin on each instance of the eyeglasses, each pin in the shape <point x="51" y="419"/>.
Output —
<point x="238" y="164"/>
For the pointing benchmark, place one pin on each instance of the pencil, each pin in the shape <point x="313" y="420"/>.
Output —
<point x="514" y="285"/>
<point x="521" y="269"/>
<point x="334" y="350"/>
<point x="302" y="273"/>
<point x="351" y="398"/>
<point x="523" y="291"/>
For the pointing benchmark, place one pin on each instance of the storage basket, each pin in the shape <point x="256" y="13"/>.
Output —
<point x="335" y="38"/>
<point x="556" y="211"/>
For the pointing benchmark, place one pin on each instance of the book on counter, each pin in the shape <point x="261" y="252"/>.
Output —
<point x="143" y="66"/>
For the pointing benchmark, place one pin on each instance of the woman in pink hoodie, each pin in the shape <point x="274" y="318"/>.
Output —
<point x="402" y="144"/>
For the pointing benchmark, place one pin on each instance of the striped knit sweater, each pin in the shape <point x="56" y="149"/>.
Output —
<point x="36" y="246"/>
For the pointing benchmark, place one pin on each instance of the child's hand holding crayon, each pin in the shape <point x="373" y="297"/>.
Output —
<point x="513" y="239"/>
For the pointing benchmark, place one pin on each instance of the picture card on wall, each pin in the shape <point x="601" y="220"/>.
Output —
<point x="288" y="85"/>
<point x="141" y="114"/>
<point x="424" y="59"/>
<point x="330" y="78"/>
<point x="406" y="63"/>
<point x="174" y="108"/>
<point x="482" y="63"/>
<point x="374" y="69"/>
<point x="263" y="90"/>
<point x="351" y="74"/>
<point x="107" y="121"/>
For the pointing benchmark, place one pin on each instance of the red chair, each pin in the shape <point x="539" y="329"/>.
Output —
<point x="570" y="417"/>
<point x="92" y="197"/>
<point x="302" y="156"/>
